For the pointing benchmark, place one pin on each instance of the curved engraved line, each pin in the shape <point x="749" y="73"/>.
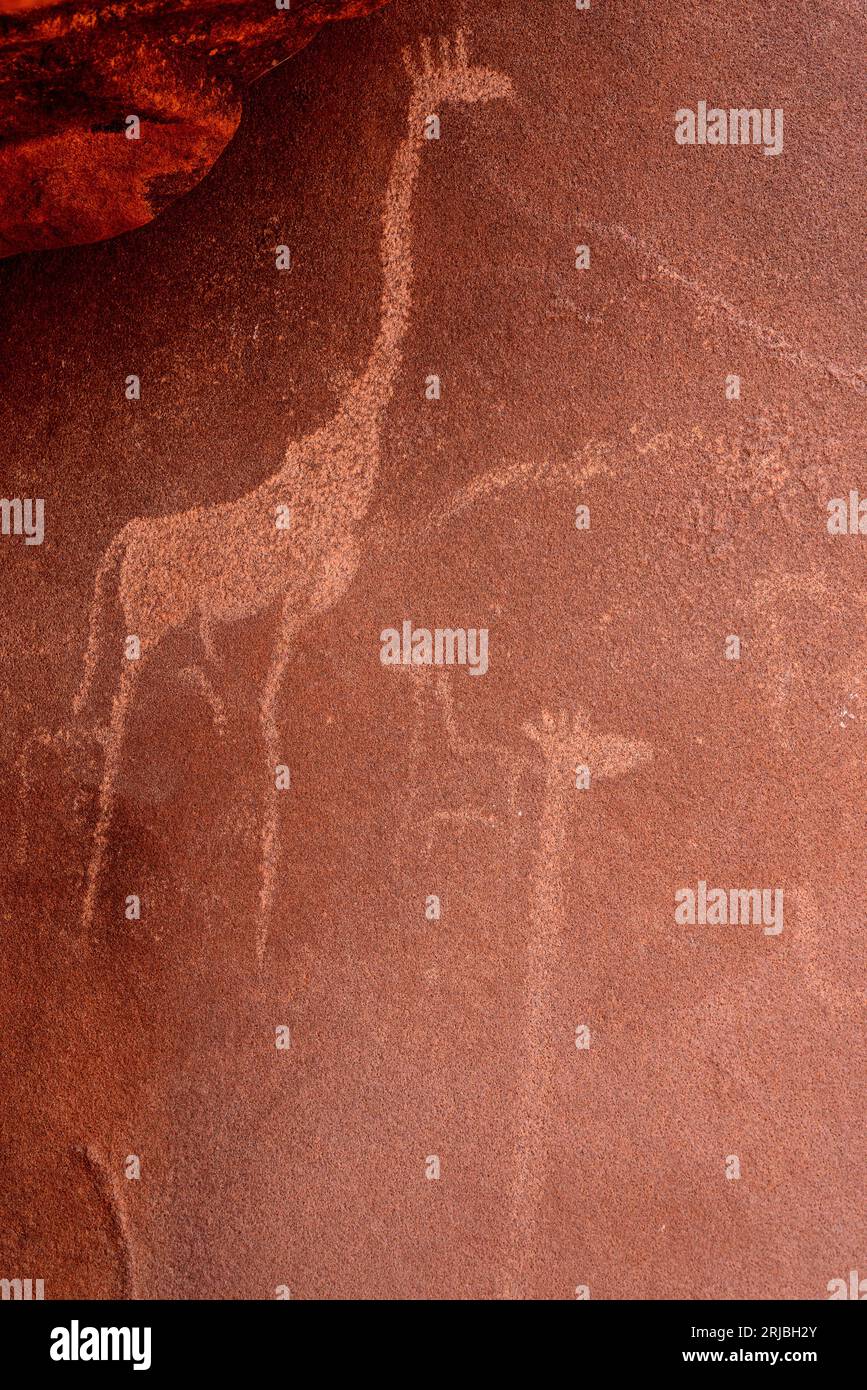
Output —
<point x="98" y="1171"/>
<point x="766" y="337"/>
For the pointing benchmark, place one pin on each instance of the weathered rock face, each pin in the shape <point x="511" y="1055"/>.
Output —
<point x="72" y="73"/>
<point x="462" y="1036"/>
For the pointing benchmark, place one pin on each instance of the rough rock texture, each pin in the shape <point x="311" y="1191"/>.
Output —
<point x="70" y="75"/>
<point x="608" y="1167"/>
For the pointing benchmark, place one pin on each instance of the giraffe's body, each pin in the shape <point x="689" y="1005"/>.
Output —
<point x="216" y="565"/>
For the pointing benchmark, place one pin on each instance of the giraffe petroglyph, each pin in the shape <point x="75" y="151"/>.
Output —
<point x="565" y="741"/>
<point x="218" y="564"/>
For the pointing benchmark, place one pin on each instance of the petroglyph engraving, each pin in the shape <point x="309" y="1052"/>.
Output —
<point x="593" y="459"/>
<point x="216" y="565"/>
<point x="433" y="697"/>
<point x="717" y="305"/>
<point x="108" y="1191"/>
<point x="564" y="741"/>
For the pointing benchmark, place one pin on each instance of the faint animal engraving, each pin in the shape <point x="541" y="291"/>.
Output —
<point x="433" y="696"/>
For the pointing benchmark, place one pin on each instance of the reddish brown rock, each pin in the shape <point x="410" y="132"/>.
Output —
<point x="71" y="74"/>
<point x="460" y="1038"/>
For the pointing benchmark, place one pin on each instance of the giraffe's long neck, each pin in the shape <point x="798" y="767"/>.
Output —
<point x="534" y="1096"/>
<point x="372" y="390"/>
<point x="547" y="904"/>
<point x="349" y="444"/>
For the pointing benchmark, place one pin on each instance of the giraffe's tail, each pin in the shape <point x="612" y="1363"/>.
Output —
<point x="96" y="621"/>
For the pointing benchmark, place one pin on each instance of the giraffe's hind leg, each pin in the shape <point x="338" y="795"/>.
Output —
<point x="108" y="788"/>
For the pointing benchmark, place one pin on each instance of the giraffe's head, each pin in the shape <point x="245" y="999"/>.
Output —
<point x="449" y="76"/>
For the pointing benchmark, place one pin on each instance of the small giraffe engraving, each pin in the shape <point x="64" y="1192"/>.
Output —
<point x="563" y="740"/>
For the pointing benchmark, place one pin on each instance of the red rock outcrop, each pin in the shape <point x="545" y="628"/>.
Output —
<point x="72" y="73"/>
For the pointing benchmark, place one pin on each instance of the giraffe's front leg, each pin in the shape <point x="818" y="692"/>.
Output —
<point x="341" y="566"/>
